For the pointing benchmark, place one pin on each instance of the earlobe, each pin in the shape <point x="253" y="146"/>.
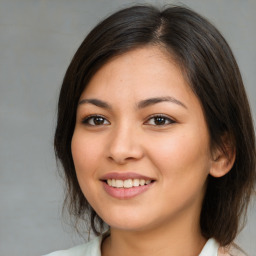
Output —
<point x="222" y="162"/>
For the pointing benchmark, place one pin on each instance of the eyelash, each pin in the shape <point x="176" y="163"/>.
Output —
<point x="164" y="118"/>
<point x="87" y="119"/>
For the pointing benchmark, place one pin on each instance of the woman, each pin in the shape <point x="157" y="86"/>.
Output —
<point x="155" y="136"/>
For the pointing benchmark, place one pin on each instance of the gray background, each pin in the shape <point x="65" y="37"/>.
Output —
<point x="37" y="40"/>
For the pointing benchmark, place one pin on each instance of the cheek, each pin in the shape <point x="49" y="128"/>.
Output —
<point x="183" y="164"/>
<point x="183" y="154"/>
<point x="85" y="156"/>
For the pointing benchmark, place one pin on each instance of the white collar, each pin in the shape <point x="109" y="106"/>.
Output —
<point x="210" y="249"/>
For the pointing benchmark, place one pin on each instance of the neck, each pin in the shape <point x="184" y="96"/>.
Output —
<point x="179" y="239"/>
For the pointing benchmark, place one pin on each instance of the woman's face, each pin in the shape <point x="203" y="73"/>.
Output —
<point x="141" y="144"/>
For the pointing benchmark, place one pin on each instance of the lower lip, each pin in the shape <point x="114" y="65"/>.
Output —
<point x="126" y="193"/>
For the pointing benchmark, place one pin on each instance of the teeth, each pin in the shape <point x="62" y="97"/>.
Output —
<point x="142" y="182"/>
<point x="119" y="184"/>
<point x="129" y="183"/>
<point x="136" y="182"/>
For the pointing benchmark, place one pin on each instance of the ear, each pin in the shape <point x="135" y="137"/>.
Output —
<point x="223" y="160"/>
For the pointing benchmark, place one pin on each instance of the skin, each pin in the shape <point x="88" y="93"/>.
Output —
<point x="175" y="153"/>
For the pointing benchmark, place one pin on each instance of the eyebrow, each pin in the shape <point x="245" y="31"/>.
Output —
<point x="140" y="105"/>
<point x="152" y="101"/>
<point x="96" y="102"/>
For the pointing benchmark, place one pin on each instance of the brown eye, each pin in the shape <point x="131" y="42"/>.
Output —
<point x="160" y="120"/>
<point x="95" y="121"/>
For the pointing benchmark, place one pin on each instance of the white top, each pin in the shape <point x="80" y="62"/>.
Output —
<point x="93" y="248"/>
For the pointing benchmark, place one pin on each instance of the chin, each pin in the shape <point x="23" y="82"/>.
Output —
<point x="130" y="222"/>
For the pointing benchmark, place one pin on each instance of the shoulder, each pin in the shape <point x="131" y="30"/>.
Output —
<point x="231" y="250"/>
<point x="91" y="248"/>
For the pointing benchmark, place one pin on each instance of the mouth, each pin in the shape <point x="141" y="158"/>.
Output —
<point x="128" y="183"/>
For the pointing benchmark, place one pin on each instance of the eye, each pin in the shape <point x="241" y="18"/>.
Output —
<point x="95" y="120"/>
<point x="159" y="120"/>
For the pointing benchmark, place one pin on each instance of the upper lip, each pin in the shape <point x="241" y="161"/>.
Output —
<point x="124" y="176"/>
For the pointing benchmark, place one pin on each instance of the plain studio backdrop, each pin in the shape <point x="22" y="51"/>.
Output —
<point x="37" y="41"/>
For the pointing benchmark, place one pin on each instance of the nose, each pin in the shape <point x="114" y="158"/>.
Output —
<point x="125" y="145"/>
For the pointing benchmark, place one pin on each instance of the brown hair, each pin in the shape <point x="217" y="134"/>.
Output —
<point x="213" y="74"/>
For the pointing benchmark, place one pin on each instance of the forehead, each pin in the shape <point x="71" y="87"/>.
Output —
<point x="147" y="70"/>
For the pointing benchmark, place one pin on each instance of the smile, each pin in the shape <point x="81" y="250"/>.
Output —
<point x="129" y="183"/>
<point x="126" y="185"/>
